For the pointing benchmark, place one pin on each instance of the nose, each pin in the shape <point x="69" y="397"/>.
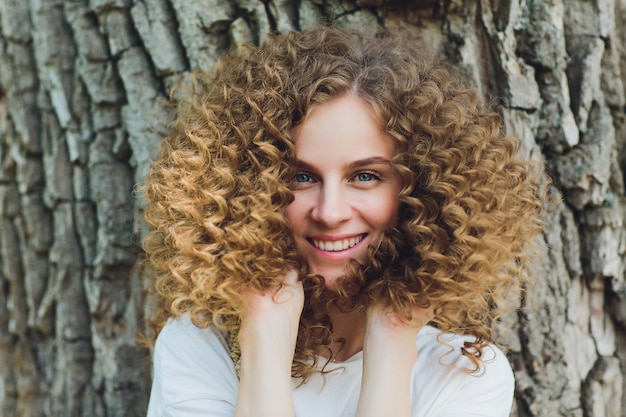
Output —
<point x="332" y="207"/>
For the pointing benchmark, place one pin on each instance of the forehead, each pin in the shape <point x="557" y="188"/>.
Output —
<point x="343" y="125"/>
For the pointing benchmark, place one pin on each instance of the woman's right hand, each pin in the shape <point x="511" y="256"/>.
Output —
<point x="274" y="316"/>
<point x="267" y="340"/>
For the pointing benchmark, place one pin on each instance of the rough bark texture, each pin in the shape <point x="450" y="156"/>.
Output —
<point x="80" y="86"/>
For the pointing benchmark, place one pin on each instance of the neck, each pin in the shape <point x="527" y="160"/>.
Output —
<point x="348" y="332"/>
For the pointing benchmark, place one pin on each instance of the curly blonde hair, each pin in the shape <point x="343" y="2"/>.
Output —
<point x="216" y="195"/>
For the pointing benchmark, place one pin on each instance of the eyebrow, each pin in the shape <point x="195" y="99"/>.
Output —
<point x="374" y="160"/>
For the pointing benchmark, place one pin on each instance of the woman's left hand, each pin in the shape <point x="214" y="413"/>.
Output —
<point x="389" y="351"/>
<point x="390" y="330"/>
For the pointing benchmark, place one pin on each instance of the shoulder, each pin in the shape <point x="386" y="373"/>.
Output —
<point x="182" y="328"/>
<point x="441" y="378"/>
<point x="432" y="343"/>
<point x="191" y="365"/>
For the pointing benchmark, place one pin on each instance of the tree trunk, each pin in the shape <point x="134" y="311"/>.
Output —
<point x="81" y="84"/>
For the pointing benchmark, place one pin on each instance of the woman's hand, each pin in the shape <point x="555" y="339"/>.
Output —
<point x="273" y="318"/>
<point x="389" y="351"/>
<point x="267" y="339"/>
<point x="388" y="330"/>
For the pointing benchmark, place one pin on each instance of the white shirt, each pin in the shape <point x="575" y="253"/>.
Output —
<point x="194" y="376"/>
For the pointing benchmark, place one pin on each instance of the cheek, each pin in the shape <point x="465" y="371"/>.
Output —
<point x="388" y="211"/>
<point x="389" y="201"/>
<point x="391" y="211"/>
<point x="294" y="212"/>
<point x="290" y="213"/>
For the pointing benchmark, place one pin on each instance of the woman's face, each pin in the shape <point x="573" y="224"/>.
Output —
<point x="346" y="192"/>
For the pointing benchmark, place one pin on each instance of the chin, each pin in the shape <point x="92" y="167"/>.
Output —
<point x="330" y="278"/>
<point x="330" y="284"/>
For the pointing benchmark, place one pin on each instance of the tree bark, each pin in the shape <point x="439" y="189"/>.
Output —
<point x="81" y="87"/>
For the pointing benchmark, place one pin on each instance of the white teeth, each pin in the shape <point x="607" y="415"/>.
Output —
<point x="337" y="245"/>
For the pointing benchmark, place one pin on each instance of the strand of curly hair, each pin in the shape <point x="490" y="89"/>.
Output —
<point x="217" y="193"/>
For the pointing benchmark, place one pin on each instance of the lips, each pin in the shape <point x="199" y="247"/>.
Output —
<point x="337" y="245"/>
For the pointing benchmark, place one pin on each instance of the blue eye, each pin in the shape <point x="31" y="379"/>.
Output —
<point x="365" y="177"/>
<point x="301" y="177"/>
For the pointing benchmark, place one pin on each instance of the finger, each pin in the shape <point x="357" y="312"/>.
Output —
<point x="417" y="317"/>
<point x="291" y="277"/>
<point x="291" y="291"/>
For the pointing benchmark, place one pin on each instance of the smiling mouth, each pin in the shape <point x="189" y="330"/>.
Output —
<point x="337" y="245"/>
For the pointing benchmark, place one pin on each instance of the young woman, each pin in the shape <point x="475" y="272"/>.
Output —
<point x="338" y="223"/>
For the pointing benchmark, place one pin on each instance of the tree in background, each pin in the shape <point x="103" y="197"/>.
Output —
<point x="81" y="84"/>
